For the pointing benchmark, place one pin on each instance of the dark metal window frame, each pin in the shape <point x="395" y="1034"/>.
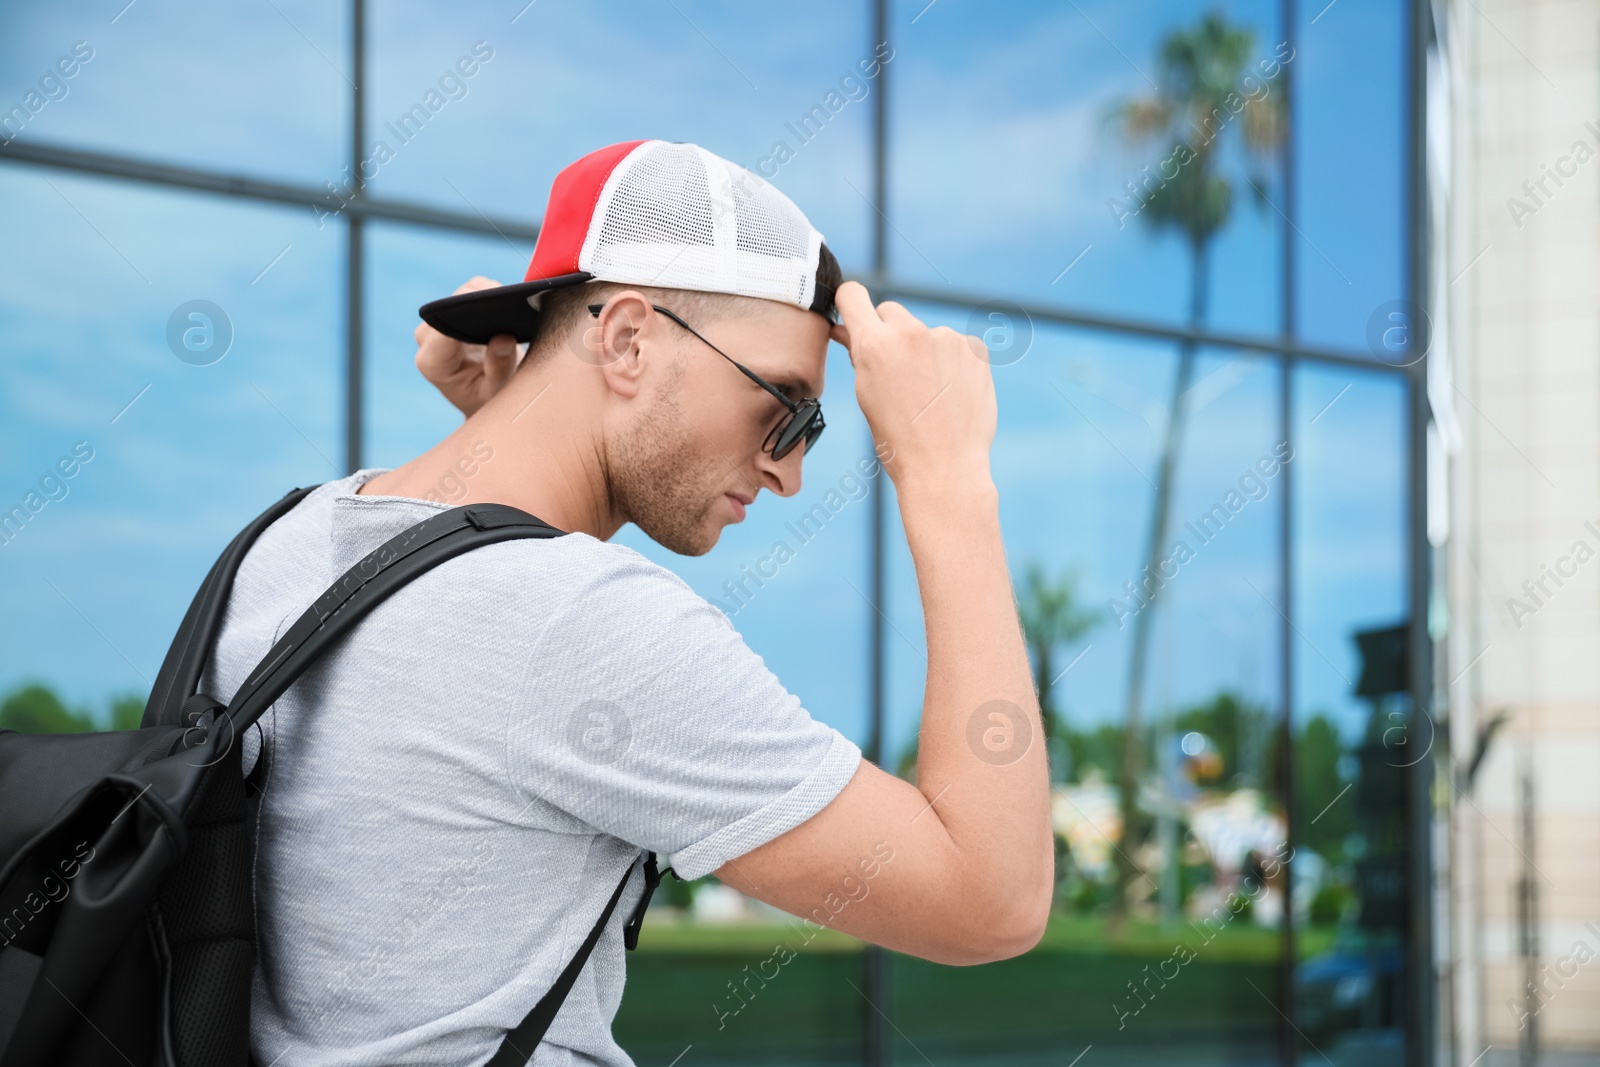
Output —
<point x="1421" y="1029"/>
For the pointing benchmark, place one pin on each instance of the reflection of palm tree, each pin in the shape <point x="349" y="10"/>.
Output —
<point x="1051" y="618"/>
<point x="1200" y="72"/>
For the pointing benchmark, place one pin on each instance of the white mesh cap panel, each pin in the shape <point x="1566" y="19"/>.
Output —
<point x="679" y="217"/>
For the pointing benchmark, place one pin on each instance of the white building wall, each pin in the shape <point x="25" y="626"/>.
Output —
<point x="1524" y="318"/>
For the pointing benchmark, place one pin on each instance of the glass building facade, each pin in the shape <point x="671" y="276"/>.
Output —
<point x="221" y="223"/>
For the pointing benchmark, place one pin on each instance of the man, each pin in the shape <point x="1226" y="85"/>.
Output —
<point x="451" y="795"/>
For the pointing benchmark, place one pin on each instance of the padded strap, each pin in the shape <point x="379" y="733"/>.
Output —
<point x="367" y="584"/>
<point x="531" y="1030"/>
<point x="179" y="677"/>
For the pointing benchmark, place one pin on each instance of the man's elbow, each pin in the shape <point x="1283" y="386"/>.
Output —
<point x="1021" y="930"/>
<point x="1009" y="928"/>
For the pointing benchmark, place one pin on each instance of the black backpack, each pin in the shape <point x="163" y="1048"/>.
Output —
<point x="127" y="929"/>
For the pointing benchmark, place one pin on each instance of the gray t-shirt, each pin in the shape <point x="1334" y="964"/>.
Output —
<point x="453" y="792"/>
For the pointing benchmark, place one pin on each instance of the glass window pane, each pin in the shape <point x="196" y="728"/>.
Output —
<point x="1077" y="457"/>
<point x="1007" y="180"/>
<point x="407" y="266"/>
<point x="1354" y="731"/>
<point x="1350" y="171"/>
<point x="778" y="89"/>
<point x="200" y="374"/>
<point x="259" y="89"/>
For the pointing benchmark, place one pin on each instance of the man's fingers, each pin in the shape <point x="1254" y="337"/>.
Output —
<point x="440" y="357"/>
<point x="840" y="333"/>
<point x="466" y="375"/>
<point x="476" y="282"/>
<point x="499" y="360"/>
<point x="855" y="305"/>
<point x="856" y="310"/>
<point x="891" y="312"/>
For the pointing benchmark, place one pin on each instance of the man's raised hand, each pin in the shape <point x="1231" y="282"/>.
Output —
<point x="467" y="375"/>
<point x="928" y="393"/>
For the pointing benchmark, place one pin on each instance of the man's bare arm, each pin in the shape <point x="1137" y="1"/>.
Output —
<point x="971" y="860"/>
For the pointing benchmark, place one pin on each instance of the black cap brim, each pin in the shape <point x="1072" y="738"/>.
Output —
<point x="478" y="316"/>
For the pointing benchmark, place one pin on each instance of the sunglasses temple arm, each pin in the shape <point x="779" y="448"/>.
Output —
<point x="785" y="401"/>
<point x="746" y="371"/>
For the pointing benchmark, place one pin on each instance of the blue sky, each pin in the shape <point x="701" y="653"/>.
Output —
<point x="998" y="180"/>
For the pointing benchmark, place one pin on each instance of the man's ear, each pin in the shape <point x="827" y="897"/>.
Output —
<point x="613" y="340"/>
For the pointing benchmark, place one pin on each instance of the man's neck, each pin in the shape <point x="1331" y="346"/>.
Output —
<point x="531" y="452"/>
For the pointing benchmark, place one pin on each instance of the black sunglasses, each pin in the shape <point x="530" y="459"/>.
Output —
<point x="804" y="420"/>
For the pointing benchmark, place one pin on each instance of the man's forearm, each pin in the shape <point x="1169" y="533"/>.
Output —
<point x="981" y="756"/>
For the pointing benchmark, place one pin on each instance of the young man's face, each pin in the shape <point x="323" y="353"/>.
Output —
<point x="696" y="441"/>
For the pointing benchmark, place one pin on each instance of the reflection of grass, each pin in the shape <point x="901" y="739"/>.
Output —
<point x="1064" y="991"/>
<point x="1314" y="940"/>
<point x="665" y="934"/>
<point x="1239" y="940"/>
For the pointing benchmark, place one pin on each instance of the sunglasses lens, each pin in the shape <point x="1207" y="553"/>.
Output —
<point x="806" y="423"/>
<point x="815" y="431"/>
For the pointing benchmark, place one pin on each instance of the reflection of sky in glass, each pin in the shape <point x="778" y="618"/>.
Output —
<point x="407" y="267"/>
<point x="999" y="130"/>
<point x="567" y="78"/>
<point x="1350" y="564"/>
<point x="255" y="88"/>
<point x="1351" y="166"/>
<point x="998" y="180"/>
<point x="183" y="454"/>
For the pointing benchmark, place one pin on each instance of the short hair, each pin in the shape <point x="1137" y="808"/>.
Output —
<point x="562" y="309"/>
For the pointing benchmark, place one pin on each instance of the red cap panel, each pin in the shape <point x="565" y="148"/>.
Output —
<point x="568" y="215"/>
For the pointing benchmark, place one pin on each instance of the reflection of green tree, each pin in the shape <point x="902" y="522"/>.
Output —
<point x="1317" y="751"/>
<point x="1200" y="70"/>
<point x="1240" y="732"/>
<point x="1249" y="740"/>
<point x="1099" y="749"/>
<point x="35" y="709"/>
<point x="1246" y="735"/>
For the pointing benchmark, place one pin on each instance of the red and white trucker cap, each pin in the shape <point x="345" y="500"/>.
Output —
<point x="656" y="213"/>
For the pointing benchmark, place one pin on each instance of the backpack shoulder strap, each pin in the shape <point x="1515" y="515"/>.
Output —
<point x="186" y="657"/>
<point x="367" y="584"/>
<point x="519" y="1044"/>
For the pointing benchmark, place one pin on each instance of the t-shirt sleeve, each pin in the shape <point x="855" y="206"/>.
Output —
<point x="643" y="714"/>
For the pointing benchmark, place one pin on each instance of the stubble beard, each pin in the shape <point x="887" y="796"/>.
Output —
<point x="654" y="476"/>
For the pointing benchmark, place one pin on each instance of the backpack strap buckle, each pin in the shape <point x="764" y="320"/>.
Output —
<point x="195" y="708"/>
<point x="652" y="878"/>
